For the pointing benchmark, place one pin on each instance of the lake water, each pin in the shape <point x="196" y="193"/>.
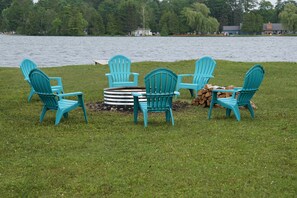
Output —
<point x="58" y="51"/>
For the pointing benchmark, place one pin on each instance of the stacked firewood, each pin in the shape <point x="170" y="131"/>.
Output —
<point x="204" y="95"/>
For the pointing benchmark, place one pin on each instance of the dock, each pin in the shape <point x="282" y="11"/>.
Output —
<point x="101" y="62"/>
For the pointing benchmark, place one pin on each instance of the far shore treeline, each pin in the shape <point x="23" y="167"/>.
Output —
<point x="121" y="17"/>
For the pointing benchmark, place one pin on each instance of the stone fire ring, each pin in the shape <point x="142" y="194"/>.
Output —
<point x="122" y="95"/>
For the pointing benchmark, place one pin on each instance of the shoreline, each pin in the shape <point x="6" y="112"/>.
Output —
<point x="139" y="62"/>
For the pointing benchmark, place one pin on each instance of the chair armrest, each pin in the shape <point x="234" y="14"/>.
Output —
<point x="233" y="91"/>
<point x="176" y="93"/>
<point x="55" y="78"/>
<point x="237" y="89"/>
<point x="137" y="94"/>
<point x="180" y="78"/>
<point x="70" y="94"/>
<point x="185" y="75"/>
<point x="110" y="79"/>
<point x="58" y="79"/>
<point x="224" y="90"/>
<point x="135" y="75"/>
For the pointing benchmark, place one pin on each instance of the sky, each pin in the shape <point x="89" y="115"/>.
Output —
<point x="273" y="2"/>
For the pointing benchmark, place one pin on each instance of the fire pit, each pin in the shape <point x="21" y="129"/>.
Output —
<point x="121" y="95"/>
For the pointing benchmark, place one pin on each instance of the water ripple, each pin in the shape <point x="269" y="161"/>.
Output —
<point x="57" y="51"/>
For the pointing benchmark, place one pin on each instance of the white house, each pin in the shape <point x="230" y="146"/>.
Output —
<point x="142" y="32"/>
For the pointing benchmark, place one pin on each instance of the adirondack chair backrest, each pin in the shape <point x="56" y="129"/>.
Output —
<point x="26" y="66"/>
<point x="204" y="66"/>
<point x="160" y="86"/>
<point x="41" y="85"/>
<point x="120" y="68"/>
<point x="252" y="81"/>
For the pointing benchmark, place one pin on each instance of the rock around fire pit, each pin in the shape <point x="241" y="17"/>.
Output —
<point x="121" y="99"/>
<point x="101" y="106"/>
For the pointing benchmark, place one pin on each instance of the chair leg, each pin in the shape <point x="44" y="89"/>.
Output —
<point x="250" y="108"/>
<point x="228" y="112"/>
<point x="145" y="116"/>
<point x="210" y="109"/>
<point x="82" y="104"/>
<point x="177" y="86"/>
<point x="135" y="115"/>
<point x="31" y="94"/>
<point x="212" y="103"/>
<point x="65" y="115"/>
<point x="167" y="115"/>
<point x="59" y="115"/>
<point x="236" y="112"/>
<point x="191" y="92"/>
<point x="44" y="110"/>
<point x="135" y="108"/>
<point x="85" y="112"/>
<point x="171" y="115"/>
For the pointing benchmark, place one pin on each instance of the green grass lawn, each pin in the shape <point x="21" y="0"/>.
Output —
<point x="112" y="157"/>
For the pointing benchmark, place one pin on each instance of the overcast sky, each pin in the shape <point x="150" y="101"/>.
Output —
<point x="273" y="2"/>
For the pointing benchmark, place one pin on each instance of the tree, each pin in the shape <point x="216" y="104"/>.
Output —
<point x="222" y="11"/>
<point x="94" y="19"/>
<point x="108" y="9"/>
<point x="94" y="3"/>
<point x="56" y="26"/>
<point x="3" y="5"/>
<point x="280" y="5"/>
<point x="16" y="16"/>
<point x="112" y="27"/>
<point x="153" y="15"/>
<point x="267" y="12"/>
<point x="249" y="5"/>
<point x="39" y="21"/>
<point x="164" y="30"/>
<point x="72" y="20"/>
<point x="129" y="15"/>
<point x="199" y="20"/>
<point x="239" y="7"/>
<point x="76" y="24"/>
<point x="169" y="23"/>
<point x="289" y="17"/>
<point x="236" y="11"/>
<point x="252" y="23"/>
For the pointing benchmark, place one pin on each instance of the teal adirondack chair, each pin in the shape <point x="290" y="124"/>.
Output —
<point x="26" y="66"/>
<point x="51" y="101"/>
<point x="160" y="88"/>
<point x="203" y="72"/>
<point x="119" y="75"/>
<point x="252" y="81"/>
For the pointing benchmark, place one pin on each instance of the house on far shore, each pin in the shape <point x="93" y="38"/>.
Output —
<point x="142" y="32"/>
<point x="273" y="28"/>
<point x="268" y="28"/>
<point x="231" y="30"/>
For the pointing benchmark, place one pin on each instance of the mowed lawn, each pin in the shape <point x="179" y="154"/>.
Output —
<point x="112" y="157"/>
